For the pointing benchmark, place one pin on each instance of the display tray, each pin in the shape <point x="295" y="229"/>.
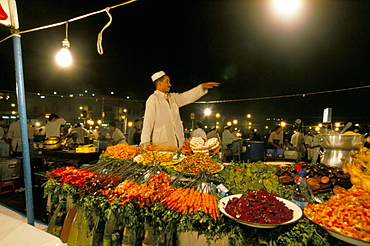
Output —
<point x="221" y="167"/>
<point x="343" y="237"/>
<point x="297" y="213"/>
<point x="165" y="158"/>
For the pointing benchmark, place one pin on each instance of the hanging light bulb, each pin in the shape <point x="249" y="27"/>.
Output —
<point x="64" y="57"/>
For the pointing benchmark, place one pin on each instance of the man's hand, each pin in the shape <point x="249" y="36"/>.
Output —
<point x="210" y="85"/>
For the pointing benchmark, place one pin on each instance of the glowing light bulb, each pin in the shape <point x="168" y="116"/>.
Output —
<point x="64" y="57"/>
<point x="287" y="7"/>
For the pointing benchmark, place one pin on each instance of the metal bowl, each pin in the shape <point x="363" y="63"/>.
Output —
<point x="341" y="141"/>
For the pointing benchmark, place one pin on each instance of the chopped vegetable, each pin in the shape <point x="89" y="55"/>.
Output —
<point x="259" y="207"/>
<point x="347" y="212"/>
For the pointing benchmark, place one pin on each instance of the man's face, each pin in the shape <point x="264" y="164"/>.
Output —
<point x="164" y="85"/>
<point x="138" y="123"/>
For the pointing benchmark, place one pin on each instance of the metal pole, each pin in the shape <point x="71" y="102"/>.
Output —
<point x="21" y="97"/>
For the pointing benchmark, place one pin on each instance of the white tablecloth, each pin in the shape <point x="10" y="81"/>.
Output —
<point x="14" y="232"/>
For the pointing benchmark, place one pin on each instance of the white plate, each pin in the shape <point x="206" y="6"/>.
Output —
<point x="347" y="239"/>
<point x="297" y="212"/>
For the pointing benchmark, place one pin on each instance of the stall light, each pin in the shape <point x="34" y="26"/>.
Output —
<point x="14" y="112"/>
<point x="81" y="108"/>
<point x="37" y="124"/>
<point x="217" y="123"/>
<point x="250" y="123"/>
<point x="229" y="123"/>
<point x="90" y="122"/>
<point x="207" y="112"/>
<point x="235" y="122"/>
<point x="287" y="7"/>
<point x="205" y="127"/>
<point x="317" y="129"/>
<point x="47" y="116"/>
<point x="13" y="105"/>
<point x="70" y="95"/>
<point x="81" y="115"/>
<point x="93" y="94"/>
<point x="238" y="134"/>
<point x="283" y="124"/>
<point x="130" y="124"/>
<point x="218" y="115"/>
<point x="337" y="124"/>
<point x="249" y="127"/>
<point x="357" y="124"/>
<point x="55" y="92"/>
<point x="85" y="91"/>
<point x="123" y="117"/>
<point x="320" y="125"/>
<point x="99" y="122"/>
<point x="112" y="92"/>
<point x="336" y="129"/>
<point x="42" y="96"/>
<point x="128" y="97"/>
<point x="266" y="127"/>
<point x="249" y="116"/>
<point x="64" y="57"/>
<point x="38" y="94"/>
<point x="125" y="110"/>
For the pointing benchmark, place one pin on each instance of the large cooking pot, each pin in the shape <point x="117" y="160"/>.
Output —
<point x="337" y="146"/>
<point x="341" y="141"/>
<point x="52" y="143"/>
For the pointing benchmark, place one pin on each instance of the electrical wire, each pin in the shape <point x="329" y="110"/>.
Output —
<point x="100" y="36"/>
<point x="285" y="96"/>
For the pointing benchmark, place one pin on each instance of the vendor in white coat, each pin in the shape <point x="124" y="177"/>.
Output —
<point x="53" y="127"/>
<point x="162" y="123"/>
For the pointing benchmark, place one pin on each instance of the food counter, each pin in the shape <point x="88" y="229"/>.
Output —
<point x="157" y="200"/>
<point x="69" y="157"/>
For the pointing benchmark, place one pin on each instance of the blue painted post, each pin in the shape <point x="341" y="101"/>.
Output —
<point x="21" y="97"/>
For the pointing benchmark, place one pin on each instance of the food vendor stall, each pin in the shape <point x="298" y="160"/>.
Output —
<point x="163" y="196"/>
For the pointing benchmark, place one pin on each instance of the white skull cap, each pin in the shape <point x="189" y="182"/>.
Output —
<point x="157" y="75"/>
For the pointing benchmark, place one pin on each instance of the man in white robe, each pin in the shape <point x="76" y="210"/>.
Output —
<point x="162" y="123"/>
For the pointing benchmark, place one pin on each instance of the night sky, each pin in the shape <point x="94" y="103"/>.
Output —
<point x="245" y="45"/>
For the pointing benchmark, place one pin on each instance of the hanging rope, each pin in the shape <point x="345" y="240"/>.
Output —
<point x="100" y="35"/>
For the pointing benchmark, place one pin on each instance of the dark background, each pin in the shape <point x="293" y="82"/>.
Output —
<point x="243" y="44"/>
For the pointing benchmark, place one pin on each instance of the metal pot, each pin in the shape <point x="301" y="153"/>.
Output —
<point x="52" y="143"/>
<point x="341" y="141"/>
<point x="337" y="146"/>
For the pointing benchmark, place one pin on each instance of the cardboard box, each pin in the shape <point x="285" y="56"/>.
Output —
<point x="9" y="168"/>
<point x="4" y="150"/>
<point x="86" y="149"/>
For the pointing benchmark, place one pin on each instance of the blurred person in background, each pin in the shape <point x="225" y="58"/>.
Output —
<point x="81" y="133"/>
<point x="298" y="143"/>
<point x="313" y="144"/>
<point x="134" y="134"/>
<point x="214" y="134"/>
<point x="117" y="135"/>
<point x="2" y="133"/>
<point x="54" y="126"/>
<point x="199" y="132"/>
<point x="276" y="139"/>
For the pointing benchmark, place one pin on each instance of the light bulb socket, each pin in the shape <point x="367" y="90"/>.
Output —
<point x="66" y="43"/>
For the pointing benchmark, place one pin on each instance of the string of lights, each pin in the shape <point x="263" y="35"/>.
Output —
<point x="215" y="101"/>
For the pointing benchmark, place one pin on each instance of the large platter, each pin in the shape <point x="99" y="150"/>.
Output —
<point x="343" y="237"/>
<point x="175" y="158"/>
<point x="221" y="167"/>
<point x="297" y="213"/>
